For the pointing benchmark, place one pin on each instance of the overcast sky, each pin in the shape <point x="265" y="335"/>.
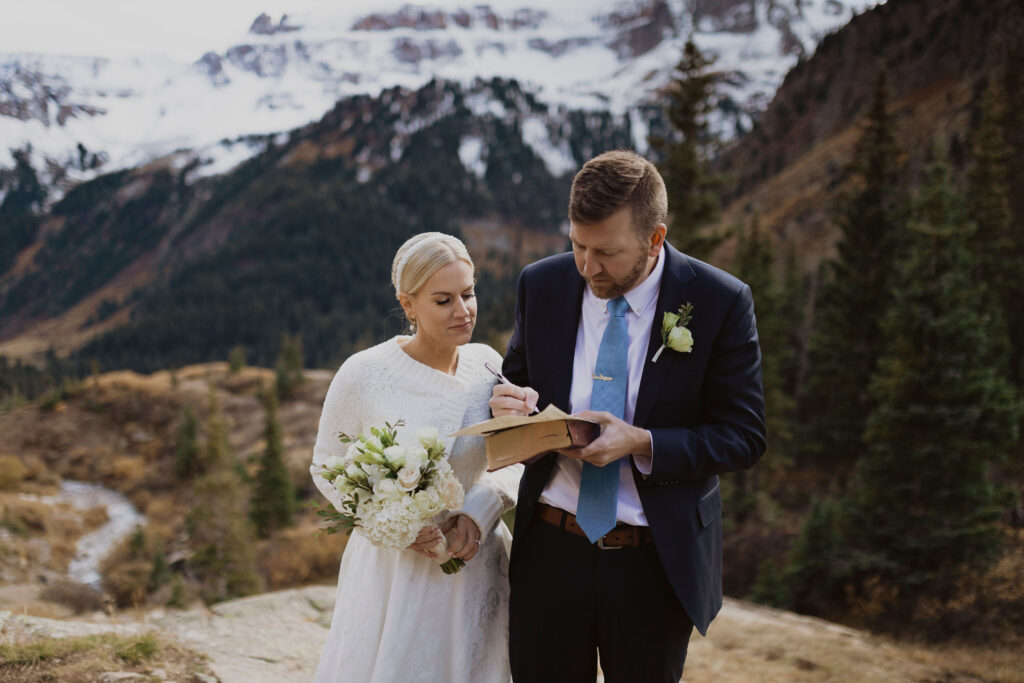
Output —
<point x="183" y="29"/>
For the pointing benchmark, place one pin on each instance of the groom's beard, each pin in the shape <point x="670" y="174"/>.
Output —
<point x="609" y="288"/>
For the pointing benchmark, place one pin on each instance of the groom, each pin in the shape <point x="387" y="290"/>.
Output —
<point x="618" y="545"/>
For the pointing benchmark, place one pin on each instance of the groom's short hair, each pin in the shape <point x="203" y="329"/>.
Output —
<point x="615" y="180"/>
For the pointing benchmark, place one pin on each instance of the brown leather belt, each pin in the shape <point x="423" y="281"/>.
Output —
<point x="622" y="536"/>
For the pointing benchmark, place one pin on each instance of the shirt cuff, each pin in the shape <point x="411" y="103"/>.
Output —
<point x="645" y="463"/>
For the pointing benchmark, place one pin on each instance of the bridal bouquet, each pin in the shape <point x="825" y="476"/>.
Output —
<point x="390" y="491"/>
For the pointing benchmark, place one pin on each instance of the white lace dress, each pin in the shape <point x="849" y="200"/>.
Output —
<point x="398" y="618"/>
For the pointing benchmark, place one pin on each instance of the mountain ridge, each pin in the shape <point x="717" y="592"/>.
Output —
<point x="84" y="116"/>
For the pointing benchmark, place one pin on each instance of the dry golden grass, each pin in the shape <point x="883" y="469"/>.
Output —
<point x="120" y="429"/>
<point x="69" y="331"/>
<point x="78" y="597"/>
<point x="12" y="472"/>
<point x="44" y="609"/>
<point x="82" y="659"/>
<point x="93" y="518"/>
<point x="42" y="535"/>
<point x="298" y="556"/>
<point x="127" y="469"/>
<point x="747" y="643"/>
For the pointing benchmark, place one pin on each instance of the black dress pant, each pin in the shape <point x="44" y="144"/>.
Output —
<point x="571" y="600"/>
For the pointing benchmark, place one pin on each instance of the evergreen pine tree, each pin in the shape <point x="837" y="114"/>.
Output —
<point x="846" y="340"/>
<point x="924" y="508"/>
<point x="220" y="534"/>
<point x="186" y="454"/>
<point x="817" y="564"/>
<point x="236" y="359"/>
<point x="20" y="207"/>
<point x="754" y="265"/>
<point x="1013" y="135"/>
<point x="273" y="498"/>
<point x="792" y="311"/>
<point x="988" y="203"/>
<point x="289" y="367"/>
<point x="693" y="199"/>
<point x="161" y="573"/>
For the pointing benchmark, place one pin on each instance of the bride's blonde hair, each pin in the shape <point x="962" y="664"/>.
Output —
<point x="423" y="255"/>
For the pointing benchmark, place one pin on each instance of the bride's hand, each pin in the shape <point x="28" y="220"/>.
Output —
<point x="428" y="537"/>
<point x="465" y="542"/>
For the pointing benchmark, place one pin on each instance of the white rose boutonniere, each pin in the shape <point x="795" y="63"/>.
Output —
<point x="674" y="333"/>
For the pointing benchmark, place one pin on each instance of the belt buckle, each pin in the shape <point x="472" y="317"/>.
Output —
<point x="602" y="546"/>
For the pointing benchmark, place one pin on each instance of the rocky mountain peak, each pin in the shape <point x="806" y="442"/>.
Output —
<point x="431" y="19"/>
<point x="265" y="26"/>
<point x="641" y="28"/>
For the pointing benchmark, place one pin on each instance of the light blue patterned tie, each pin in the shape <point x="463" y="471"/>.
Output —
<point x="599" y="486"/>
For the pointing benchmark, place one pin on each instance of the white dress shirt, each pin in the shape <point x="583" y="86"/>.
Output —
<point x="564" y="488"/>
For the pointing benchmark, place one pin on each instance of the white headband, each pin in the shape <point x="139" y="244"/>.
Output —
<point x="417" y="246"/>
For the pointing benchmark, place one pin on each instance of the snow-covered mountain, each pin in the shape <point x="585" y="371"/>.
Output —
<point x="84" y="115"/>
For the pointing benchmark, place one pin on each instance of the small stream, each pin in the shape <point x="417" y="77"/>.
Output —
<point x="122" y="518"/>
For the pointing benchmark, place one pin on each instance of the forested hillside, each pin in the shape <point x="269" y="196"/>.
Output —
<point x="147" y="269"/>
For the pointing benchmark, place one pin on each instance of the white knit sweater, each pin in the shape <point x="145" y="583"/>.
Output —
<point x="385" y="384"/>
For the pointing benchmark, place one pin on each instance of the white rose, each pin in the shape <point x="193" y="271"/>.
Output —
<point x="680" y="339"/>
<point x="426" y="503"/>
<point x="415" y="457"/>
<point x="387" y="488"/>
<point x="451" y="492"/>
<point x="374" y="473"/>
<point x="408" y="478"/>
<point x="353" y="452"/>
<point x="353" y="472"/>
<point x="335" y="463"/>
<point x="395" y="455"/>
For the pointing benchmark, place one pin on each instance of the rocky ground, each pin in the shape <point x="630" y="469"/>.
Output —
<point x="277" y="637"/>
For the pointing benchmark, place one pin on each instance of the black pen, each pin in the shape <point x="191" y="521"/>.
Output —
<point x="503" y="379"/>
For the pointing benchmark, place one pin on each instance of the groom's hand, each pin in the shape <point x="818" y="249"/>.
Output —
<point x="508" y="399"/>
<point x="617" y="440"/>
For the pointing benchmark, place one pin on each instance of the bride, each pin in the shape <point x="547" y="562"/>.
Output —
<point x="398" y="617"/>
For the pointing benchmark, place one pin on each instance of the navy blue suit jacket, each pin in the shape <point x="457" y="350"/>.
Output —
<point x="704" y="409"/>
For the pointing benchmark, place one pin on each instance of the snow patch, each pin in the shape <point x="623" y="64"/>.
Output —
<point x="471" y="151"/>
<point x="556" y="157"/>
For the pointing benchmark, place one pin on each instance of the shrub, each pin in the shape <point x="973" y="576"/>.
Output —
<point x="51" y="401"/>
<point x="236" y="359"/>
<point x="986" y="607"/>
<point x="134" y="568"/>
<point x="128" y="583"/>
<point x="30" y="516"/>
<point x="12" y="472"/>
<point x="79" y="597"/>
<point x="297" y="556"/>
<point x="128" y="469"/>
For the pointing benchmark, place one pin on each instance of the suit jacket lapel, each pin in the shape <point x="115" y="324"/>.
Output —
<point x="677" y="273"/>
<point x="564" y="325"/>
